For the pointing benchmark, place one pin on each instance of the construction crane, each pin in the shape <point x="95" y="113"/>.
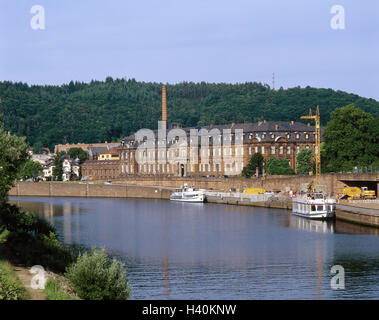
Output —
<point x="316" y="118"/>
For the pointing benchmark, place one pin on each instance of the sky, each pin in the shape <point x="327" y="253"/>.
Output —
<point x="171" y="41"/>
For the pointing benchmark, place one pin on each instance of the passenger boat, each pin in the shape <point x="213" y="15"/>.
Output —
<point x="188" y="194"/>
<point x="313" y="205"/>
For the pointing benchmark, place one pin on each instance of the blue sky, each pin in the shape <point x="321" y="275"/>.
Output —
<point x="198" y="40"/>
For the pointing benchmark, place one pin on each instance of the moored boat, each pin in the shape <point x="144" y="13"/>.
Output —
<point x="188" y="194"/>
<point x="313" y="205"/>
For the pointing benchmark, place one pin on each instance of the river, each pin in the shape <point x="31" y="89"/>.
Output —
<point x="212" y="251"/>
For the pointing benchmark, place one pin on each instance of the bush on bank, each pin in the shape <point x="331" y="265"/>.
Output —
<point x="96" y="276"/>
<point x="10" y="287"/>
<point x="32" y="240"/>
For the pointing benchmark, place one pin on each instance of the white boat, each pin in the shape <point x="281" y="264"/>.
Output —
<point x="313" y="205"/>
<point x="188" y="194"/>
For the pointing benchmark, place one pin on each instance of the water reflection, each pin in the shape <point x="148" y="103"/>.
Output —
<point x="210" y="251"/>
<point x="311" y="225"/>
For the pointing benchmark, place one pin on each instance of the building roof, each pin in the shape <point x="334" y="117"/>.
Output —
<point x="263" y="131"/>
<point x="114" y="150"/>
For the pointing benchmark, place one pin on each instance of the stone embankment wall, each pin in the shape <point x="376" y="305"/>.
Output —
<point x="64" y="189"/>
<point x="270" y="183"/>
<point x="359" y="215"/>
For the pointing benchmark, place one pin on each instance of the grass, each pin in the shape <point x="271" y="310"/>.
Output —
<point x="54" y="291"/>
<point x="11" y="287"/>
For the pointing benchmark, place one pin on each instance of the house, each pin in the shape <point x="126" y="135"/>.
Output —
<point x="70" y="168"/>
<point x="110" y="154"/>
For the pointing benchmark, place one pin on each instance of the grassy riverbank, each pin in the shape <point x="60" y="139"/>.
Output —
<point x="72" y="272"/>
<point x="11" y="288"/>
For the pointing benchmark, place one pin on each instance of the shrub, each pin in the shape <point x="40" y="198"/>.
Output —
<point x="42" y="250"/>
<point x="33" y="240"/>
<point x="54" y="291"/>
<point x="14" y="219"/>
<point x="10" y="286"/>
<point x="95" y="276"/>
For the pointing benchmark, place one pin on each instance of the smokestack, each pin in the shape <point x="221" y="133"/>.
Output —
<point x="164" y="106"/>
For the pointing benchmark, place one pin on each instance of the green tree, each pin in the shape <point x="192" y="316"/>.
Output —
<point x="14" y="153"/>
<point x="78" y="153"/>
<point x="31" y="170"/>
<point x="278" y="166"/>
<point x="351" y="139"/>
<point x="256" y="161"/>
<point x="304" y="161"/>
<point x="58" y="169"/>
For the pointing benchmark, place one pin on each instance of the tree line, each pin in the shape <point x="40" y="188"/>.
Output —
<point x="112" y="109"/>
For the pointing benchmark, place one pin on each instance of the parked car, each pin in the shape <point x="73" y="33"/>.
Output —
<point x="108" y="182"/>
<point x="225" y="176"/>
<point x="211" y="176"/>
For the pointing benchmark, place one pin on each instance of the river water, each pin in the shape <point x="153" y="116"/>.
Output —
<point x="212" y="251"/>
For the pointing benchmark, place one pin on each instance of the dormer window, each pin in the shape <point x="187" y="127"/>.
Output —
<point x="297" y="136"/>
<point x="306" y="136"/>
<point x="272" y="136"/>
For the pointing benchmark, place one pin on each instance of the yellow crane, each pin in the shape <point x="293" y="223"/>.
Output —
<point x="316" y="118"/>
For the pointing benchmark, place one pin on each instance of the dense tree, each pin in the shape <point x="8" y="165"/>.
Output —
<point x="78" y="153"/>
<point x="304" y="161"/>
<point x="31" y="170"/>
<point x="58" y="169"/>
<point x="12" y="157"/>
<point x="351" y="139"/>
<point x="256" y="161"/>
<point x="278" y="166"/>
<point x="106" y="111"/>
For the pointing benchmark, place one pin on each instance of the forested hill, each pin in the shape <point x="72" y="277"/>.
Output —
<point x="106" y="111"/>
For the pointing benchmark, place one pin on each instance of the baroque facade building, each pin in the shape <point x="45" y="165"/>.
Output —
<point x="214" y="150"/>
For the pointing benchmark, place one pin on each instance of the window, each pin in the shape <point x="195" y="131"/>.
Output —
<point x="297" y="136"/>
<point x="280" y="150"/>
<point x="272" y="149"/>
<point x="263" y="150"/>
<point x="320" y="208"/>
